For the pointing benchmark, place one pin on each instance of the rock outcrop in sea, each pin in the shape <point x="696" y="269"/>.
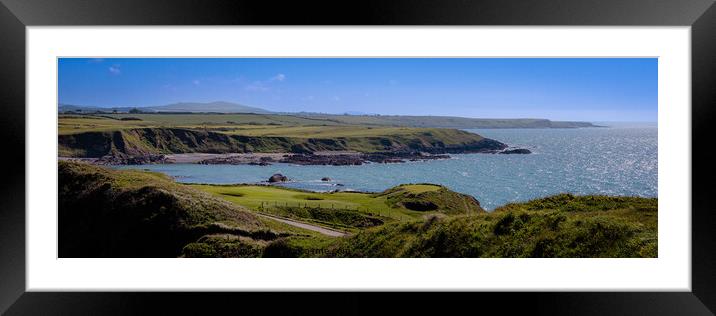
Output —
<point x="277" y="178"/>
<point x="521" y="151"/>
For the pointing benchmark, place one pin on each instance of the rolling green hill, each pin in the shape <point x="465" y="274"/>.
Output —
<point x="110" y="213"/>
<point x="402" y="203"/>
<point x="558" y="226"/>
<point x="107" y="213"/>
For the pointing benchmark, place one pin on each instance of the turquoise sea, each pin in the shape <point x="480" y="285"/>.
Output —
<point x="616" y="160"/>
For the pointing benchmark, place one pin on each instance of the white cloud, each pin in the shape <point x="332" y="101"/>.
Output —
<point x="279" y="77"/>
<point x="114" y="69"/>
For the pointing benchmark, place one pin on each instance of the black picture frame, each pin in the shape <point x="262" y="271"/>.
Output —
<point x="15" y="15"/>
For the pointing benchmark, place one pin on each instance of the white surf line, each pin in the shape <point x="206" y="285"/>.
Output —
<point x="322" y="230"/>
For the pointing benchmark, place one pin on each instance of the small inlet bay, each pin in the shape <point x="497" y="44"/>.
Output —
<point x="617" y="160"/>
<point x="359" y="158"/>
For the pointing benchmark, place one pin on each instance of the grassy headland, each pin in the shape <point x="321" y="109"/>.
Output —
<point x="145" y="134"/>
<point x="110" y="213"/>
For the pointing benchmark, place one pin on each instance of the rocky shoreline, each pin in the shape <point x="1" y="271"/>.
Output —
<point x="339" y="158"/>
<point x="358" y="158"/>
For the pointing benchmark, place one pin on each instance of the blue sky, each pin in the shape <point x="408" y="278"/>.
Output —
<point x="588" y="89"/>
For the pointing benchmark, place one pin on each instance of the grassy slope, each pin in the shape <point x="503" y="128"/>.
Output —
<point x="163" y="134"/>
<point x="107" y="213"/>
<point x="349" y="211"/>
<point x="428" y="197"/>
<point x="389" y="204"/>
<point x="558" y="226"/>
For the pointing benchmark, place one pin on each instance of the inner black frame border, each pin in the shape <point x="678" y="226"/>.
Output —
<point x="15" y="15"/>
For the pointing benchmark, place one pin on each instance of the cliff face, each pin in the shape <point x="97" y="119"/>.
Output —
<point x="145" y="141"/>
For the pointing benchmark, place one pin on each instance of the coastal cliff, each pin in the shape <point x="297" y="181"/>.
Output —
<point x="156" y="141"/>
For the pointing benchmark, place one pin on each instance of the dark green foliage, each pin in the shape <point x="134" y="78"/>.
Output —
<point x="590" y="203"/>
<point x="223" y="246"/>
<point x="567" y="226"/>
<point x="419" y="205"/>
<point x="331" y="217"/>
<point x="299" y="246"/>
<point x="282" y="249"/>
<point x="105" y="213"/>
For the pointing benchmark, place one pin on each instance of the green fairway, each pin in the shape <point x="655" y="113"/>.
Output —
<point x="420" y="188"/>
<point x="255" y="197"/>
<point x="348" y="210"/>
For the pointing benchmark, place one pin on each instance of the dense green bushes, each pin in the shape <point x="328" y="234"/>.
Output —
<point x="558" y="226"/>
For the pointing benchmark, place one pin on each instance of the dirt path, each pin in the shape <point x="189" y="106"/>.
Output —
<point x="322" y="230"/>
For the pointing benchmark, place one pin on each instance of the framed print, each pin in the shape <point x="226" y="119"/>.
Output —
<point x="533" y="154"/>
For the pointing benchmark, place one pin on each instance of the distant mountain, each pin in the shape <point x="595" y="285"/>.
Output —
<point x="218" y="107"/>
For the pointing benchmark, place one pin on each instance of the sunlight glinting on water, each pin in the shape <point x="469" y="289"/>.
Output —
<point x="611" y="161"/>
